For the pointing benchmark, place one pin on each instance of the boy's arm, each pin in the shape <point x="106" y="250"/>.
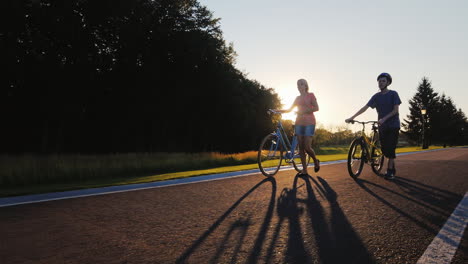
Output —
<point x="392" y="113"/>
<point x="362" y="110"/>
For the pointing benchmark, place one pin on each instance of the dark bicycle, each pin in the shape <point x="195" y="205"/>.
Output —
<point x="365" y="149"/>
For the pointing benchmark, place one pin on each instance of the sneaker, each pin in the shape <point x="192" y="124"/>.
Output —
<point x="390" y="175"/>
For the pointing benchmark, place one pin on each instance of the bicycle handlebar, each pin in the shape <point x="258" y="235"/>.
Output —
<point x="272" y="111"/>
<point x="365" y="122"/>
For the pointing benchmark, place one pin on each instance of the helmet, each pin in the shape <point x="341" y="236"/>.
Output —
<point x="384" y="74"/>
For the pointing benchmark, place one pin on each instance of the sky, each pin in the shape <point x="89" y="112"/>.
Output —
<point x="340" y="47"/>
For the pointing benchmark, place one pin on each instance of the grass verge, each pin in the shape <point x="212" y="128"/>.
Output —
<point x="113" y="181"/>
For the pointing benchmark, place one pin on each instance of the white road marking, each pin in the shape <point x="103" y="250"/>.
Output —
<point x="445" y="244"/>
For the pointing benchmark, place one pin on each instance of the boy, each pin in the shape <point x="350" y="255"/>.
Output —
<point x="386" y="103"/>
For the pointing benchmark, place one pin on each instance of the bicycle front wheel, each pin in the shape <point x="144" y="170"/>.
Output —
<point x="377" y="160"/>
<point x="356" y="158"/>
<point x="270" y="155"/>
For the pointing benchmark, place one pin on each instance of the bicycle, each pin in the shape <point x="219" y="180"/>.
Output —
<point x="275" y="147"/>
<point x="365" y="149"/>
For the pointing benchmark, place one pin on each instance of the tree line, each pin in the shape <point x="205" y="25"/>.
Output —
<point x="110" y="76"/>
<point x="113" y="76"/>
<point x="434" y="118"/>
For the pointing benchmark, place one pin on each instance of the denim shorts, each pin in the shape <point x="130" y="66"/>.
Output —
<point x="304" y="130"/>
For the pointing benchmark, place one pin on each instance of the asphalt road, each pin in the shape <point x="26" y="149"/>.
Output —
<point x="325" y="218"/>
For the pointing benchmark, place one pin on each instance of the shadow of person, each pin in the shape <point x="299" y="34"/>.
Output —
<point x="263" y="230"/>
<point x="438" y="214"/>
<point x="240" y="226"/>
<point x="429" y="195"/>
<point x="336" y="239"/>
<point x="289" y="211"/>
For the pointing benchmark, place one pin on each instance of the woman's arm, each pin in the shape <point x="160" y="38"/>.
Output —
<point x="312" y="108"/>
<point x="315" y="106"/>
<point x="290" y="109"/>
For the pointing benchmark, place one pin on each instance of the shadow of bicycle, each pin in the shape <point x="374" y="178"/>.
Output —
<point x="332" y="230"/>
<point x="309" y="226"/>
<point x="437" y="202"/>
<point x="237" y="231"/>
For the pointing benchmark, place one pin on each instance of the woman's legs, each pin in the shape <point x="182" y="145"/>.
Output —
<point x="309" y="149"/>
<point x="302" y="154"/>
<point x="305" y="146"/>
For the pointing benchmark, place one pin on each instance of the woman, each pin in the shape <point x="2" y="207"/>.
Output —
<point x="305" y="123"/>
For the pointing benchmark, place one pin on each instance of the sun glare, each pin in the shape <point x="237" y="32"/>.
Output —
<point x="287" y="99"/>
<point x="290" y="116"/>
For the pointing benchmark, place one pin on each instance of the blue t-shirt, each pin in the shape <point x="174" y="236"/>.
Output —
<point x="384" y="104"/>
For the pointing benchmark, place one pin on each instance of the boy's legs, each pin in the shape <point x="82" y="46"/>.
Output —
<point x="391" y="163"/>
<point x="388" y="141"/>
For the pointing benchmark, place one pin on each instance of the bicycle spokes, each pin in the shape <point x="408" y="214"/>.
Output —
<point x="270" y="155"/>
<point x="377" y="160"/>
<point x="356" y="158"/>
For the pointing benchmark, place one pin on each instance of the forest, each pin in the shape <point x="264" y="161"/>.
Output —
<point x="120" y="76"/>
<point x="124" y="76"/>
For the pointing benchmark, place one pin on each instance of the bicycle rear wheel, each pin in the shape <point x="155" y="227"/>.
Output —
<point x="270" y="155"/>
<point x="356" y="158"/>
<point x="377" y="160"/>
<point x="297" y="163"/>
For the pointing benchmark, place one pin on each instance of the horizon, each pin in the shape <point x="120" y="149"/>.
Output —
<point x="340" y="49"/>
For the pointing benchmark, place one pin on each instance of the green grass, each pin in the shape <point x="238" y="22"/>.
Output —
<point x="62" y="173"/>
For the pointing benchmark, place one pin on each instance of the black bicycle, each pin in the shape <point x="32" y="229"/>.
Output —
<point x="365" y="149"/>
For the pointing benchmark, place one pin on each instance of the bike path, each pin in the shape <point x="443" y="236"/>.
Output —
<point x="44" y="197"/>
<point x="252" y="219"/>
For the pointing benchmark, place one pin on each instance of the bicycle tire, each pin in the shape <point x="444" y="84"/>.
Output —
<point x="356" y="155"/>
<point x="298" y="165"/>
<point x="267" y="155"/>
<point x="377" y="161"/>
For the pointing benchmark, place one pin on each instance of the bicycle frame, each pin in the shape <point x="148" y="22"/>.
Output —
<point x="284" y="141"/>
<point x="278" y="147"/>
<point x="369" y="142"/>
<point x="368" y="149"/>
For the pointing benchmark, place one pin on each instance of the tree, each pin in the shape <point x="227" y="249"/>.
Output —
<point x="448" y="123"/>
<point x="124" y="76"/>
<point x="443" y="123"/>
<point x="425" y="98"/>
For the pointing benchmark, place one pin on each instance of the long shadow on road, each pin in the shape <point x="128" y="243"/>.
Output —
<point x="339" y="235"/>
<point x="436" y="197"/>
<point x="438" y="201"/>
<point x="335" y="239"/>
<point x="243" y="224"/>
<point x="289" y="211"/>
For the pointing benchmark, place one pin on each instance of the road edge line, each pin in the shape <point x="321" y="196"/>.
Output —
<point x="444" y="246"/>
